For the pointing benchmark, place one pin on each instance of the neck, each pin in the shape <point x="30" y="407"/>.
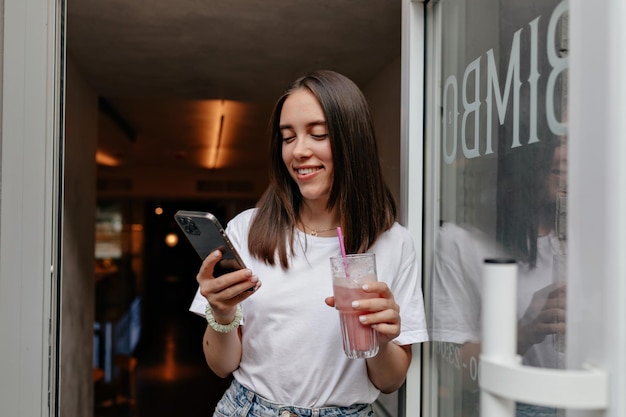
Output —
<point x="317" y="222"/>
<point x="331" y="231"/>
<point x="546" y="219"/>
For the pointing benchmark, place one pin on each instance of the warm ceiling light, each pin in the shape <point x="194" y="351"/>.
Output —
<point x="158" y="211"/>
<point x="103" y="158"/>
<point x="171" y="239"/>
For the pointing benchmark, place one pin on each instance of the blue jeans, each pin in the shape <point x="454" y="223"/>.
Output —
<point x="238" y="401"/>
<point x="528" y="410"/>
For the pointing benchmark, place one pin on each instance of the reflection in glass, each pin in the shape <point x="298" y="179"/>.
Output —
<point x="503" y="186"/>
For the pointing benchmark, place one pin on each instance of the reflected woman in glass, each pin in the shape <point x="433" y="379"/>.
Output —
<point x="530" y="227"/>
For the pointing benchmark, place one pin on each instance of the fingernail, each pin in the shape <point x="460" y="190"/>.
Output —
<point x="362" y="319"/>
<point x="355" y="304"/>
<point x="216" y="254"/>
<point x="365" y="287"/>
<point x="254" y="278"/>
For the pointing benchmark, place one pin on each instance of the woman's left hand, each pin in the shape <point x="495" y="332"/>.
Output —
<point x="382" y="312"/>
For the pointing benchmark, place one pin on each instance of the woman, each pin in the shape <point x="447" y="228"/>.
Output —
<point x="287" y="357"/>
<point x="530" y="228"/>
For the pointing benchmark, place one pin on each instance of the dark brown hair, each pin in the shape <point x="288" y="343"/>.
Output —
<point x="365" y="205"/>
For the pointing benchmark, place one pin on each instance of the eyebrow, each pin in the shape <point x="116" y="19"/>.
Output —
<point x="310" y="124"/>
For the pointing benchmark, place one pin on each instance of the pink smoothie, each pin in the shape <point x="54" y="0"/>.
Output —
<point x="358" y="340"/>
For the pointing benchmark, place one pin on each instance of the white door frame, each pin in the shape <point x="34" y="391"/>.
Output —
<point x="411" y="163"/>
<point x="29" y="203"/>
<point x="597" y="194"/>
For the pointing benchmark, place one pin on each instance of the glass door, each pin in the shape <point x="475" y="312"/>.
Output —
<point x="523" y="159"/>
<point x="498" y="145"/>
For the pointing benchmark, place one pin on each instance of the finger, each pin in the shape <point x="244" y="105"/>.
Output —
<point x="330" y="301"/>
<point x="550" y="328"/>
<point x="552" y="315"/>
<point x="232" y="284"/>
<point x="386" y="332"/>
<point x="228" y="287"/>
<point x="375" y="304"/>
<point x="556" y="301"/>
<point x="208" y="265"/>
<point x="230" y="297"/>
<point x="233" y="278"/>
<point x="385" y="322"/>
<point x="538" y="333"/>
<point x="390" y="316"/>
<point x="560" y="315"/>
<point x="378" y="287"/>
<point x="561" y="291"/>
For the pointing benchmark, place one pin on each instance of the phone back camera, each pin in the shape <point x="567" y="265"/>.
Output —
<point x="189" y="226"/>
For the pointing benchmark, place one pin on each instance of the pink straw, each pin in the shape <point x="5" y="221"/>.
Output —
<point x="343" y="251"/>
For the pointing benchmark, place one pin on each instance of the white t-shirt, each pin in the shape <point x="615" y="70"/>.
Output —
<point x="457" y="286"/>
<point x="292" y="350"/>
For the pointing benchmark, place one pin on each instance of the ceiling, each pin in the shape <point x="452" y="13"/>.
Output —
<point x="177" y="77"/>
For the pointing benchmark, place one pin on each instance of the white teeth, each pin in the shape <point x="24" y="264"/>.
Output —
<point x="306" y="171"/>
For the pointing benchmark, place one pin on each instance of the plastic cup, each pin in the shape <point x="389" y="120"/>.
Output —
<point x="359" y="340"/>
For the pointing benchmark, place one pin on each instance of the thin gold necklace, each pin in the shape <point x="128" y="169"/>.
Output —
<point x="315" y="232"/>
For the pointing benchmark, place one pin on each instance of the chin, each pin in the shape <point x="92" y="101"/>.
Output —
<point x="310" y="196"/>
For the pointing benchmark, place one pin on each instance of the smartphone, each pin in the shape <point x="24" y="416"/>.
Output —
<point x="206" y="234"/>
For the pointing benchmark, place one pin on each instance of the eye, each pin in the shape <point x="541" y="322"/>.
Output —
<point x="320" y="137"/>
<point x="289" y="139"/>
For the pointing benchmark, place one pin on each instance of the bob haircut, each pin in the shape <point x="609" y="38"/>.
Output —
<point x="364" y="202"/>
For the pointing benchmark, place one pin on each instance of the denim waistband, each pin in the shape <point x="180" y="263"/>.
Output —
<point x="254" y="401"/>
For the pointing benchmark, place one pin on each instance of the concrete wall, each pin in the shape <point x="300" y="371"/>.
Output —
<point x="79" y="216"/>
<point x="383" y="96"/>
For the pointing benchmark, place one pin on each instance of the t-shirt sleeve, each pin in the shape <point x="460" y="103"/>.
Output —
<point x="455" y="293"/>
<point x="407" y="289"/>
<point x="198" y="304"/>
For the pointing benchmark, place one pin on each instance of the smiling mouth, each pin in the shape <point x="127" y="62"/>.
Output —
<point x="305" y="171"/>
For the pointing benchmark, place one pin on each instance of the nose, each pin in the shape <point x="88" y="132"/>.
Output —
<point x="301" y="148"/>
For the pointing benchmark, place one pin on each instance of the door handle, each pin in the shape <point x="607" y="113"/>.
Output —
<point x="503" y="379"/>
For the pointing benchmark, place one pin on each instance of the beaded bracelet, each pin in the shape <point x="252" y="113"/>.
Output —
<point x="223" y="328"/>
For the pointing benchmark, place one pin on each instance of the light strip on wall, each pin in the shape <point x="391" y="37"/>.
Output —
<point x="216" y="148"/>
<point x="103" y="158"/>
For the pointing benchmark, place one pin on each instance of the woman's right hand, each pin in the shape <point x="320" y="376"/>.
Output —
<point x="227" y="291"/>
